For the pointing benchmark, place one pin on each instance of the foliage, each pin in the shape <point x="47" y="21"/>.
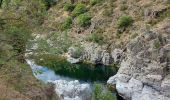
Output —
<point x="67" y="23"/>
<point x="18" y="36"/>
<point x="49" y="3"/>
<point x="79" y="9"/>
<point x="43" y="45"/>
<point x="33" y="13"/>
<point x="165" y="14"/>
<point x="60" y="41"/>
<point x="96" y="38"/>
<point x="101" y="93"/>
<point x="78" y="50"/>
<point x="69" y="7"/>
<point x="94" y="2"/>
<point x="157" y="44"/>
<point x="124" y="21"/>
<point x="84" y="20"/>
<point x="15" y="32"/>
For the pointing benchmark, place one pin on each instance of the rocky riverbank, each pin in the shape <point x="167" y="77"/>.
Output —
<point x="144" y="65"/>
<point x="66" y="88"/>
<point x="144" y="72"/>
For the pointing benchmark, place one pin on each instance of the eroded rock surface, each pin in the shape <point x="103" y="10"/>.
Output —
<point x="144" y="73"/>
<point x="73" y="90"/>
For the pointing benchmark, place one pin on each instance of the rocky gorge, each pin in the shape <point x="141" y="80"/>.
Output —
<point x="144" y="67"/>
<point x="144" y="72"/>
<point x="85" y="49"/>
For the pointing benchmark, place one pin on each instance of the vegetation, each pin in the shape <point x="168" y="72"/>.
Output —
<point x="78" y="50"/>
<point x="79" y="9"/>
<point x="60" y="43"/>
<point x="96" y="38"/>
<point x="165" y="14"/>
<point x="94" y="2"/>
<point x="124" y="21"/>
<point x="157" y="44"/>
<point x="84" y="20"/>
<point x="101" y="93"/>
<point x="49" y="3"/>
<point x="16" y="26"/>
<point x="69" y="7"/>
<point x="20" y="20"/>
<point x="67" y="23"/>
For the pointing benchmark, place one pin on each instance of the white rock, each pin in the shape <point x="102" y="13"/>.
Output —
<point x="73" y="60"/>
<point x="73" y="90"/>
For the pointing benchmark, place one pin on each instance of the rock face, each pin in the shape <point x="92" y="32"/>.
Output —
<point x="144" y="73"/>
<point x="72" y="90"/>
<point x="93" y="53"/>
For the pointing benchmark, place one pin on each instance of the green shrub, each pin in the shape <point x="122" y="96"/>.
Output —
<point x="69" y="7"/>
<point x="67" y="23"/>
<point x="124" y="21"/>
<point x="101" y="93"/>
<point x="79" y="9"/>
<point x="49" y="3"/>
<point x="84" y="20"/>
<point x="165" y="14"/>
<point x="96" y="38"/>
<point x="157" y="44"/>
<point x="78" y="51"/>
<point x="94" y="2"/>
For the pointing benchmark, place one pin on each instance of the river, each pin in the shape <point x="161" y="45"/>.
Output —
<point x="74" y="84"/>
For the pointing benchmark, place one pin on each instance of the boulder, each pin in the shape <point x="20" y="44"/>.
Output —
<point x="72" y="90"/>
<point x="106" y="58"/>
<point x="71" y="52"/>
<point x="73" y="60"/>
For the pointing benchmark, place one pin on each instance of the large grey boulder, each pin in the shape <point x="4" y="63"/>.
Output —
<point x="73" y="90"/>
<point x="73" y="60"/>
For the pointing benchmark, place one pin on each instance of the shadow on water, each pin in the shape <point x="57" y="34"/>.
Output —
<point x="82" y="71"/>
<point x="86" y="72"/>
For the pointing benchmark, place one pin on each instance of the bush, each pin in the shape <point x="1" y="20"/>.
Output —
<point x="78" y="51"/>
<point x="94" y="2"/>
<point x="67" y="23"/>
<point x="69" y="7"/>
<point x="49" y="3"/>
<point x="84" y="20"/>
<point x="157" y="44"/>
<point x="101" y="93"/>
<point x="79" y="9"/>
<point x="96" y="38"/>
<point x="124" y="21"/>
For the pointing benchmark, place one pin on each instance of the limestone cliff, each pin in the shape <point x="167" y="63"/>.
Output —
<point x="144" y="72"/>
